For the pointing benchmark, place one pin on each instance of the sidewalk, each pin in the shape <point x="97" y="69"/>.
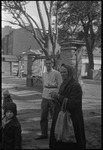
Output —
<point x="28" y="102"/>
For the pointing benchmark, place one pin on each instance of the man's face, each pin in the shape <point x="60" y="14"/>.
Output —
<point x="48" y="64"/>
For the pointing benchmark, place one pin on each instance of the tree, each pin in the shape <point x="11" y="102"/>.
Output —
<point x="21" y="18"/>
<point x="83" y="18"/>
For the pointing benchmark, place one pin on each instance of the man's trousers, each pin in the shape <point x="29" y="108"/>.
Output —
<point x="46" y="107"/>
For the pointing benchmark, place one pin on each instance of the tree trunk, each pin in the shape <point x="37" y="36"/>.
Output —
<point x="46" y="45"/>
<point x="89" y="47"/>
<point x="91" y="64"/>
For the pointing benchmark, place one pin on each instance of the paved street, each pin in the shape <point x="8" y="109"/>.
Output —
<point x="91" y="94"/>
<point x="29" y="99"/>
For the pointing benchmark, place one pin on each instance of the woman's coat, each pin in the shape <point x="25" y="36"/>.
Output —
<point x="72" y="90"/>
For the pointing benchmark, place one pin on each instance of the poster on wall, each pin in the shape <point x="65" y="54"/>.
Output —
<point x="38" y="67"/>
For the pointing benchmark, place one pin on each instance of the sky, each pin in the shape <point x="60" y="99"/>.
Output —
<point x="32" y="10"/>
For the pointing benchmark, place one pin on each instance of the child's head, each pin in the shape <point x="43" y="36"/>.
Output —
<point x="10" y="110"/>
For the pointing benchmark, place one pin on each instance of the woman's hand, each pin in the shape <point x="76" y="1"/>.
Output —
<point x="65" y="99"/>
<point x="54" y="95"/>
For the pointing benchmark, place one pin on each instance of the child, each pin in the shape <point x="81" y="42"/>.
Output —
<point x="11" y="128"/>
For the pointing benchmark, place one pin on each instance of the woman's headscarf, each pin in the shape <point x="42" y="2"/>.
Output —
<point x="70" y="71"/>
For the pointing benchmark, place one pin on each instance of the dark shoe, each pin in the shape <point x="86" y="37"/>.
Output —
<point x="41" y="137"/>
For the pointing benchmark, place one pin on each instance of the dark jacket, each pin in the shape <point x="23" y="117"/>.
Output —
<point x="11" y="135"/>
<point x="71" y="90"/>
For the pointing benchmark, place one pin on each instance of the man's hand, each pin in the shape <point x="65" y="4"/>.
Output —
<point x="54" y="94"/>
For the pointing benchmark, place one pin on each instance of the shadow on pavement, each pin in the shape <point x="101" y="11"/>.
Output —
<point x="31" y="128"/>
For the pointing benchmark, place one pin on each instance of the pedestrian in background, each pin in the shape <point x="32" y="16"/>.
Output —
<point x="51" y="82"/>
<point x="71" y="90"/>
<point x="11" y="128"/>
<point x="21" y="72"/>
<point x="6" y="98"/>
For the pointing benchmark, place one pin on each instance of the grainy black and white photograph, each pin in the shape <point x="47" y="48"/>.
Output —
<point x="51" y="75"/>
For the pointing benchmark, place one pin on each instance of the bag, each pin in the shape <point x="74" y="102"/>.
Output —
<point x="64" y="131"/>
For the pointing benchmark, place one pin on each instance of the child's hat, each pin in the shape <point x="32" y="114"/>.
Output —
<point x="11" y="106"/>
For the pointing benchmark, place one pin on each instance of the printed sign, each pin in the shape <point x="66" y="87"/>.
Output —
<point x="38" y="67"/>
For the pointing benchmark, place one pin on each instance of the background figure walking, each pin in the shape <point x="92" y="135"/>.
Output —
<point x="6" y="98"/>
<point x="51" y="82"/>
<point x="21" y="72"/>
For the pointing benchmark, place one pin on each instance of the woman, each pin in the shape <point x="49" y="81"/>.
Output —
<point x="70" y="89"/>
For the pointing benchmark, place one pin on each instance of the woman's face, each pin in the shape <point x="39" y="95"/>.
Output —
<point x="64" y="73"/>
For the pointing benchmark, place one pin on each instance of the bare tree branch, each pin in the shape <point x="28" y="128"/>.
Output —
<point x="49" y="21"/>
<point x="18" y="24"/>
<point x="34" y="32"/>
<point x="41" y="18"/>
<point x="36" y="25"/>
<point x="42" y="41"/>
<point x="32" y="20"/>
<point x="17" y="9"/>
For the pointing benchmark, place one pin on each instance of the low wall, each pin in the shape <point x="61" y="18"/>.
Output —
<point x="34" y="82"/>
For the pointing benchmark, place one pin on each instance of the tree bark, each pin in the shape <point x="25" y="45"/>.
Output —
<point x="91" y="64"/>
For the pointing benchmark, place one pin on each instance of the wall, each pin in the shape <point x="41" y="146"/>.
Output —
<point x="10" y="43"/>
<point x="25" y="65"/>
<point x="6" y="68"/>
<point x="6" y="30"/>
<point x="97" y="63"/>
<point x="18" y="41"/>
<point x="22" y="41"/>
<point x="7" y="64"/>
<point x="5" y="45"/>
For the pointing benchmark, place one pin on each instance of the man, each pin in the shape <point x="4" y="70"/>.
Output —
<point x="51" y="82"/>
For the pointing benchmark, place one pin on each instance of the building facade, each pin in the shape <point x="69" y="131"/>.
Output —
<point x="14" y="44"/>
<point x="20" y="40"/>
<point x="97" y="63"/>
<point x="8" y="64"/>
